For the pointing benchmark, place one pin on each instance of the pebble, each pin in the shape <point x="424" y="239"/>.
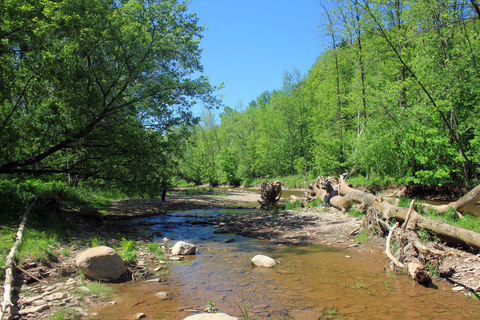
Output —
<point x="175" y="258"/>
<point x="162" y="295"/>
<point x="84" y="289"/>
<point x="135" y="316"/>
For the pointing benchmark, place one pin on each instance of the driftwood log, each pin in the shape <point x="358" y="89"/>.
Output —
<point x="349" y="196"/>
<point x="271" y="193"/>
<point x="412" y="246"/>
<point x="7" y="287"/>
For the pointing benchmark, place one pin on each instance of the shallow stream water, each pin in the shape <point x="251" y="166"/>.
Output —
<point x="311" y="282"/>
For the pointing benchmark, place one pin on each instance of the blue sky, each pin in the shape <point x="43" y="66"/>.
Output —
<point x="250" y="44"/>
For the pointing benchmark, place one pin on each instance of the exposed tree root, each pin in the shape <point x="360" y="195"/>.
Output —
<point x="271" y="193"/>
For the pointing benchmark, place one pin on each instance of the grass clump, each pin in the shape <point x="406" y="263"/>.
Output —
<point x="363" y="236"/>
<point x="155" y="248"/>
<point x="294" y="206"/>
<point x="38" y="246"/>
<point x="355" y="212"/>
<point x="6" y="238"/>
<point x="315" y="203"/>
<point x="469" y="221"/>
<point x="65" y="314"/>
<point x="101" y="289"/>
<point x="210" y="306"/>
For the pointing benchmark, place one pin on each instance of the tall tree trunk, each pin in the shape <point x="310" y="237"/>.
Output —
<point x="337" y="75"/>
<point x="362" y="70"/>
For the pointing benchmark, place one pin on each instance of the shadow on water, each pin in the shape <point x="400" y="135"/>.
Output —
<point x="311" y="282"/>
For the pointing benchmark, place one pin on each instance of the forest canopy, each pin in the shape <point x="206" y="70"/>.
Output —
<point x="94" y="90"/>
<point x="396" y="96"/>
<point x="97" y="89"/>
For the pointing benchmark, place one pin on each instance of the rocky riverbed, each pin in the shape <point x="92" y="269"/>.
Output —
<point x="63" y="288"/>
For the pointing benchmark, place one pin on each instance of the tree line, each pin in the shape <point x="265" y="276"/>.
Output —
<point x="396" y="96"/>
<point x="100" y="91"/>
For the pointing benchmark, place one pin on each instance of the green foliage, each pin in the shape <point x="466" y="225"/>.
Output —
<point x="404" y="202"/>
<point x="85" y="89"/>
<point x="38" y="246"/>
<point x="363" y="236"/>
<point x="294" y="206"/>
<point x="101" y="289"/>
<point x="210" y="306"/>
<point x="65" y="314"/>
<point x="245" y="310"/>
<point x="155" y="248"/>
<point x="6" y="238"/>
<point x="433" y="270"/>
<point x="128" y="253"/>
<point x="315" y="203"/>
<point x="425" y="236"/>
<point x="356" y="212"/>
<point x="388" y="102"/>
<point x="95" y="242"/>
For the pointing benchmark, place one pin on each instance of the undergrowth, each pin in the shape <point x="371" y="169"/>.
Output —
<point x="128" y="253"/>
<point x="363" y="236"/>
<point x="355" y="212"/>
<point x="294" y="206"/>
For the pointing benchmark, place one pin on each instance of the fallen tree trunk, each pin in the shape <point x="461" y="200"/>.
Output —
<point x="461" y="205"/>
<point x="412" y="255"/>
<point x="390" y="211"/>
<point x="7" y="287"/>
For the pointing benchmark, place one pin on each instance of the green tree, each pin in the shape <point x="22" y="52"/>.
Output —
<point x="94" y="88"/>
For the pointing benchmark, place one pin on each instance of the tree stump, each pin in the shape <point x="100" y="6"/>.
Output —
<point x="271" y="193"/>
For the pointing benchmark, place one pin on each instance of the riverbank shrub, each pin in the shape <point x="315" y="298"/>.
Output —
<point x="294" y="206"/>
<point x="128" y="253"/>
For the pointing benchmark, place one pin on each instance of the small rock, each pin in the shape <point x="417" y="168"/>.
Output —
<point x="162" y="295"/>
<point x="347" y="256"/>
<point x="84" y="289"/>
<point x="112" y="302"/>
<point x="176" y="258"/>
<point x="182" y="247"/>
<point x="154" y="280"/>
<point x="458" y="288"/>
<point x="229" y="240"/>
<point x="135" y="316"/>
<point x="261" y="260"/>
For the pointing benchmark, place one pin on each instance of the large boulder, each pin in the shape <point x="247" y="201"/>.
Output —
<point x="263" y="261"/>
<point x="210" y="316"/>
<point x="183" y="248"/>
<point x="102" y="263"/>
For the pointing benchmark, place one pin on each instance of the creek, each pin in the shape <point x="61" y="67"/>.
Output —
<point x="311" y="282"/>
